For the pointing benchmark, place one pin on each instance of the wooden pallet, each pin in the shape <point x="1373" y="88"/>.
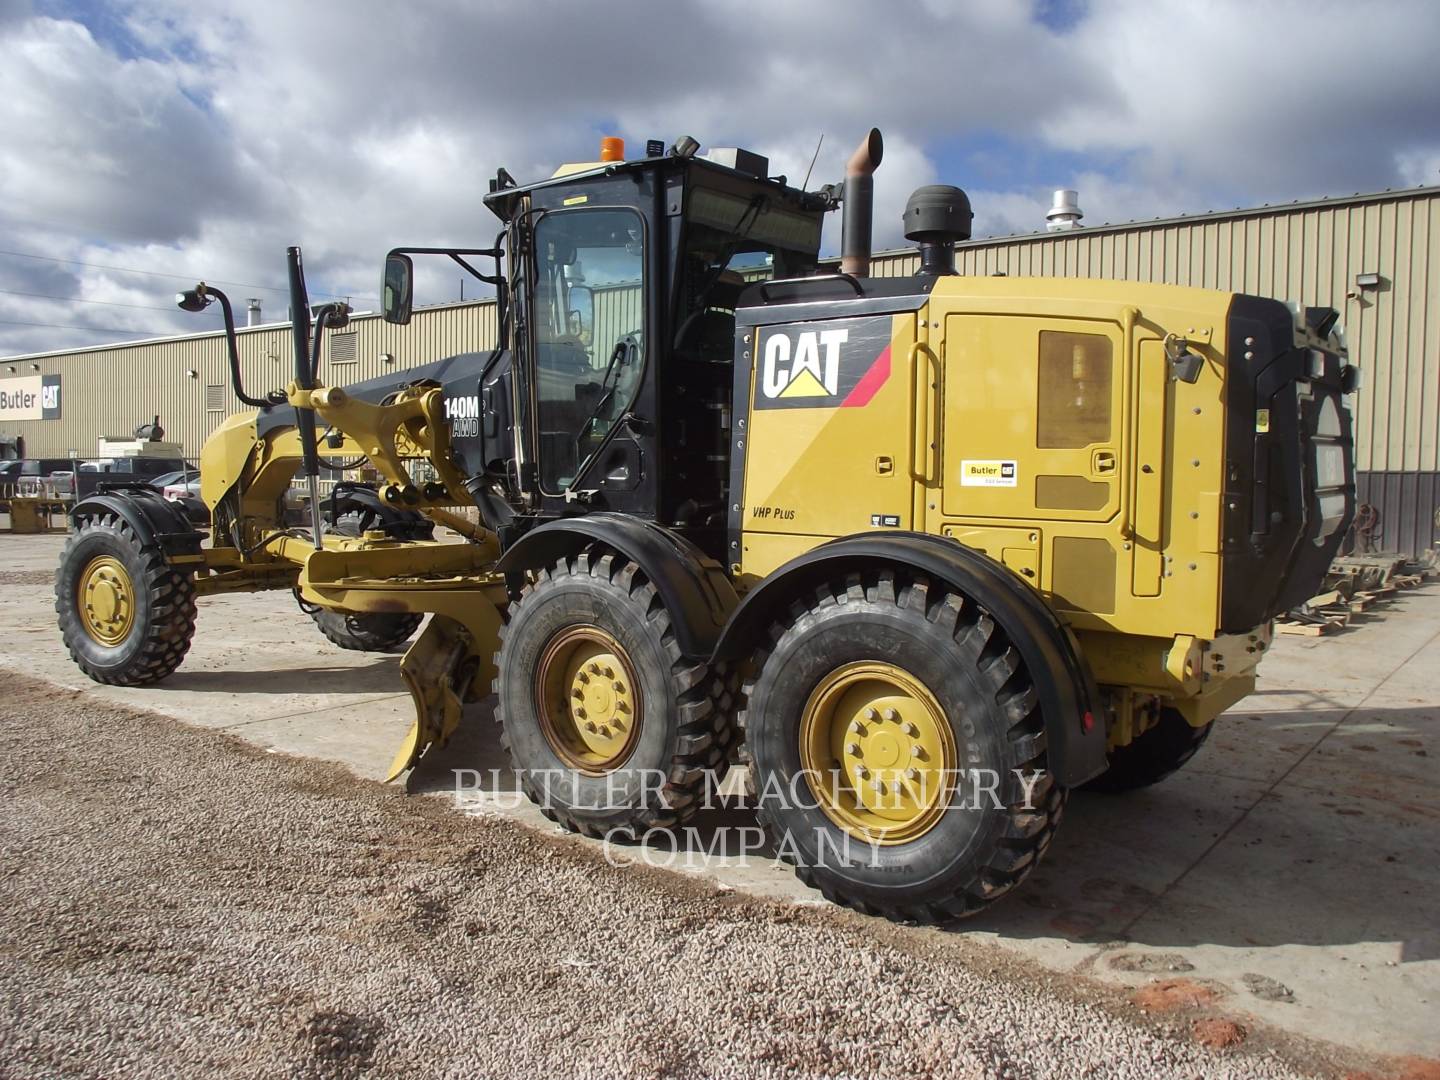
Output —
<point x="1305" y="629"/>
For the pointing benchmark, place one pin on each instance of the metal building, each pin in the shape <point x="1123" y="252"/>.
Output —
<point x="1375" y="258"/>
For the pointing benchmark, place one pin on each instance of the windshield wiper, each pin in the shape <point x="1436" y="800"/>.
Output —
<point x="622" y="348"/>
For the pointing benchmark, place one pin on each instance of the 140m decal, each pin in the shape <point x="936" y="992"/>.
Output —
<point x="836" y="364"/>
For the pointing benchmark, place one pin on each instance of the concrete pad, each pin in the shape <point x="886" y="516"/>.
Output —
<point x="1294" y="862"/>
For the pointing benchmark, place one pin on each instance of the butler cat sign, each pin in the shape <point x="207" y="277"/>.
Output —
<point x="34" y="397"/>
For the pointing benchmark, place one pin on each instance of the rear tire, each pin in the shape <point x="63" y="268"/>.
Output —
<point x="612" y="730"/>
<point x="363" y="631"/>
<point x="1157" y="753"/>
<point x="126" y="615"/>
<point x="907" y="671"/>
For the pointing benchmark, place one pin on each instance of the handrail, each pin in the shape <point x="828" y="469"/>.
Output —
<point x="1129" y="479"/>
<point x="922" y="438"/>
<point x="849" y="279"/>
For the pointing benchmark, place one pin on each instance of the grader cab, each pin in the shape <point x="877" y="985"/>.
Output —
<point x="925" y="553"/>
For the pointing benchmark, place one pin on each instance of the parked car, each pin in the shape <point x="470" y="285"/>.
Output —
<point x="186" y="492"/>
<point x="61" y="482"/>
<point x="164" y="480"/>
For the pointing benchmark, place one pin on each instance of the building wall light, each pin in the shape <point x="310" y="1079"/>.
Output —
<point x="1368" y="281"/>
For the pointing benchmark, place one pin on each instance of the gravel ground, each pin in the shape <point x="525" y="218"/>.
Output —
<point x="181" y="904"/>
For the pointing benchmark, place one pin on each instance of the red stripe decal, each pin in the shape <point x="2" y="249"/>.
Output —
<point x="870" y="382"/>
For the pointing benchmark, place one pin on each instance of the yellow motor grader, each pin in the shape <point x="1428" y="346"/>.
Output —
<point x="876" y="537"/>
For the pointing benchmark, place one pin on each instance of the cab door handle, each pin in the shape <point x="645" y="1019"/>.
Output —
<point x="1102" y="462"/>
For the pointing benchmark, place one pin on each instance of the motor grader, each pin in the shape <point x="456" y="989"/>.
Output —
<point x="707" y="501"/>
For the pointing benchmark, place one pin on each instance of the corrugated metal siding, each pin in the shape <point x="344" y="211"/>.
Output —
<point x="619" y="310"/>
<point x="1408" y="503"/>
<point x="108" y="391"/>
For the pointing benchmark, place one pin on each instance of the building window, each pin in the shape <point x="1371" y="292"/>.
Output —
<point x="342" y="349"/>
<point x="215" y="397"/>
<point x="1074" y="391"/>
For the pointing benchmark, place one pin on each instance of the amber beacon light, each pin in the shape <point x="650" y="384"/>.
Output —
<point x="612" y="148"/>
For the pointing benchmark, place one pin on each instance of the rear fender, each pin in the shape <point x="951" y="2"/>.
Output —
<point x="1075" y="739"/>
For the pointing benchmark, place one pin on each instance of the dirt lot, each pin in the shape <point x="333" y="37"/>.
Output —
<point x="189" y="903"/>
<point x="180" y="903"/>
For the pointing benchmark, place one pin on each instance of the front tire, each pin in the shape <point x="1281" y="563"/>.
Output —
<point x="612" y="730"/>
<point x="882" y="701"/>
<point x="126" y="615"/>
<point x="362" y="631"/>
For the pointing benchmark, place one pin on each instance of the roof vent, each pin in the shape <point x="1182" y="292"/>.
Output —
<point x="1065" y="213"/>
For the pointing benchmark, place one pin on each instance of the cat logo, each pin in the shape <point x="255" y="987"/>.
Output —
<point x="840" y="363"/>
<point x="812" y="371"/>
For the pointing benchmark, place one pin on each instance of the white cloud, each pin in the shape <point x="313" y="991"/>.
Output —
<point x="204" y="143"/>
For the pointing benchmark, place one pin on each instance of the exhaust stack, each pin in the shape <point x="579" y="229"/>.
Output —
<point x="858" y="204"/>
<point x="252" y="311"/>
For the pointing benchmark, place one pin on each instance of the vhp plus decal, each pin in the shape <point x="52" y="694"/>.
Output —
<point x="835" y="364"/>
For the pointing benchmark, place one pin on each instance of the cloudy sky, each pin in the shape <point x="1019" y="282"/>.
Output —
<point x="200" y="139"/>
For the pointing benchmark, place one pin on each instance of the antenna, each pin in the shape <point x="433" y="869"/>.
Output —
<point x="806" y="182"/>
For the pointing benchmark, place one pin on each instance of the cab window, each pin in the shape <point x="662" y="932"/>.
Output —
<point x="588" y="323"/>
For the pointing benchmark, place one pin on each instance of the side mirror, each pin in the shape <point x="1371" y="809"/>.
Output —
<point x="580" y="319"/>
<point x="1185" y="366"/>
<point x="397" y="290"/>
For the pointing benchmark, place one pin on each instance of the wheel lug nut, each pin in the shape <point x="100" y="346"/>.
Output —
<point x="856" y="728"/>
<point x="891" y="714"/>
<point x="870" y="714"/>
<point x="910" y="729"/>
<point x="619" y="687"/>
<point x="590" y="726"/>
<point x="879" y="786"/>
<point x="594" y="669"/>
<point x="912" y="774"/>
<point x="609" y="673"/>
<point x="862" y="772"/>
<point x="605" y="731"/>
<point x="852" y="748"/>
<point x="916" y="752"/>
<point x="580" y="713"/>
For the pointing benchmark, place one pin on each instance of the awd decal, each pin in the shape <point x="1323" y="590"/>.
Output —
<point x="463" y="412"/>
<point x="838" y="364"/>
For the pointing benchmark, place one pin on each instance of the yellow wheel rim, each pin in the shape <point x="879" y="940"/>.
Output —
<point x="878" y="753"/>
<point x="589" y="700"/>
<point x="105" y="599"/>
